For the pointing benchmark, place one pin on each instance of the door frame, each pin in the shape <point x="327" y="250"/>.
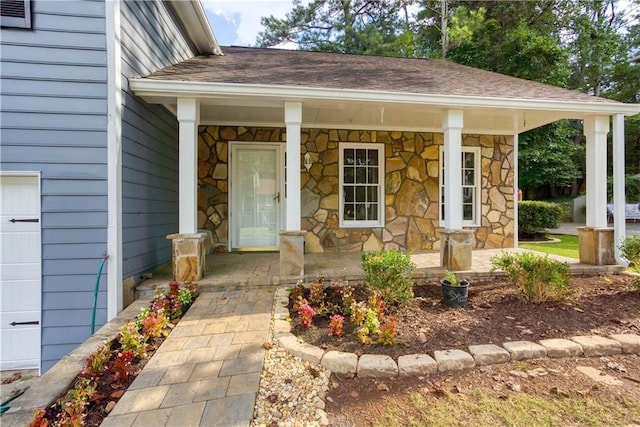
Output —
<point x="280" y="177"/>
<point x="38" y="177"/>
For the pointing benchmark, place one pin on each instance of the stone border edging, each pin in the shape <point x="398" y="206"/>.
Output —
<point x="381" y="366"/>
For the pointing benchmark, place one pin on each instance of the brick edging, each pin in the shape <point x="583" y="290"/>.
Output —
<point x="379" y="366"/>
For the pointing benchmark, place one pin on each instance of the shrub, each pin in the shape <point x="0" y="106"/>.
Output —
<point x="539" y="278"/>
<point x="630" y="248"/>
<point x="534" y="216"/>
<point x="389" y="272"/>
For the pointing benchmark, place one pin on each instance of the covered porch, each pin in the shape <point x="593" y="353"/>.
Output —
<point x="404" y="122"/>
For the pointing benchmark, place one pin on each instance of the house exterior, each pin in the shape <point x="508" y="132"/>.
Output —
<point x="368" y="142"/>
<point x="125" y="122"/>
<point x="93" y="164"/>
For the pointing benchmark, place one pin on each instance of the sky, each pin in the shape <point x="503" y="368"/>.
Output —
<point x="237" y="23"/>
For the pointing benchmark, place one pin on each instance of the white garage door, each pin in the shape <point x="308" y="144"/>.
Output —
<point x="20" y="272"/>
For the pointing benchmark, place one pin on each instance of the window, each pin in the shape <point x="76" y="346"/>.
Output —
<point x="361" y="185"/>
<point x="15" y="13"/>
<point x="470" y="185"/>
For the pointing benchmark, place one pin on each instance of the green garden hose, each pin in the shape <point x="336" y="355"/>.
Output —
<point x="95" y="293"/>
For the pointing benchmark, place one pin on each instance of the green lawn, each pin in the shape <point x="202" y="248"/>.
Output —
<point x="567" y="246"/>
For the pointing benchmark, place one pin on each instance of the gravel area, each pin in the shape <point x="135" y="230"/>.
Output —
<point x="292" y="391"/>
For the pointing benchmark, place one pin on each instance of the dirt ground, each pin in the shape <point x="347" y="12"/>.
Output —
<point x="364" y="402"/>
<point x="601" y="304"/>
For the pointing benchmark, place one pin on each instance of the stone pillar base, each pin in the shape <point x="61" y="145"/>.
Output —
<point x="292" y="253"/>
<point x="188" y="256"/>
<point x="596" y="246"/>
<point x="455" y="249"/>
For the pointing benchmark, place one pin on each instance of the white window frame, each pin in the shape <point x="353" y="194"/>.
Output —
<point x="475" y="222"/>
<point x="381" y="201"/>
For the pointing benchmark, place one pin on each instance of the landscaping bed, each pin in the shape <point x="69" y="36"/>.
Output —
<point x="115" y="364"/>
<point x="495" y="313"/>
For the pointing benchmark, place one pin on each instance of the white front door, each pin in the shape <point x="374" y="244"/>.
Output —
<point x="20" y="271"/>
<point x="256" y="191"/>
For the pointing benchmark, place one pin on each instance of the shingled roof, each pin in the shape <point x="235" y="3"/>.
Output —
<point x="277" y="67"/>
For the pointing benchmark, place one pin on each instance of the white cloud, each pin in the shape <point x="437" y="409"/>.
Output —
<point x="244" y="17"/>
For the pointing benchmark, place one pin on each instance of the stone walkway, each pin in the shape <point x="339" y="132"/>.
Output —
<point x="207" y="372"/>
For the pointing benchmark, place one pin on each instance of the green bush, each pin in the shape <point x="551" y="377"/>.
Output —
<point x="630" y="248"/>
<point x="534" y="216"/>
<point x="389" y="272"/>
<point x="539" y="278"/>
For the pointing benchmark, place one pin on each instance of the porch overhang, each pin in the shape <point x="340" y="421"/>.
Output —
<point x="262" y="105"/>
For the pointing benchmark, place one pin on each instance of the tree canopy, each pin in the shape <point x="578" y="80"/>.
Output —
<point x="583" y="45"/>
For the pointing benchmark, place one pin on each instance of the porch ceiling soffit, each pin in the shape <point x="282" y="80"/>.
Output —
<point x="263" y="105"/>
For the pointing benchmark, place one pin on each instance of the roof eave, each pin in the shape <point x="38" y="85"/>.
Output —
<point x="194" y="20"/>
<point x="152" y="87"/>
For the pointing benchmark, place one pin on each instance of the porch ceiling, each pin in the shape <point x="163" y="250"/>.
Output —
<point x="374" y="115"/>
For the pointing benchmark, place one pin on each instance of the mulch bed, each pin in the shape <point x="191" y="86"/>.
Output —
<point x="602" y="304"/>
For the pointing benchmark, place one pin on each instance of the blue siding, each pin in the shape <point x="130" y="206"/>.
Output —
<point x="54" y="103"/>
<point x="151" y="40"/>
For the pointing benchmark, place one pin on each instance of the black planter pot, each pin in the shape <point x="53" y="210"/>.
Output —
<point x="455" y="295"/>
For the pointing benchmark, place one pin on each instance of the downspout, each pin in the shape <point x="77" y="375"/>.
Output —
<point x="619" y="222"/>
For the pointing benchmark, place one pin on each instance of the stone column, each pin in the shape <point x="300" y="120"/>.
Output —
<point x="456" y="249"/>
<point x="188" y="255"/>
<point x="595" y="245"/>
<point x="292" y="254"/>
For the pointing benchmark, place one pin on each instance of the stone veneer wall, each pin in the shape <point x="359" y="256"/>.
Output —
<point x="411" y="188"/>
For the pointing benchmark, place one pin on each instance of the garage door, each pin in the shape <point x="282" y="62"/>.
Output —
<point x="20" y="272"/>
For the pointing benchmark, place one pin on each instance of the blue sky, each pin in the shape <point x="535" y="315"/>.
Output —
<point x="238" y="22"/>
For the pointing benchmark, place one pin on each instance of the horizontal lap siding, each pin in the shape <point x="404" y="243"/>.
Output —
<point x="151" y="40"/>
<point x="54" y="105"/>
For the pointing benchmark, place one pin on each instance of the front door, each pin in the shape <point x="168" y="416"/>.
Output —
<point x="256" y="191"/>
<point x="20" y="271"/>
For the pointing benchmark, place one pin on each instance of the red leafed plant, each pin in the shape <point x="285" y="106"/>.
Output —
<point x="388" y="332"/>
<point x="336" y="325"/>
<point x="122" y="366"/>
<point x="306" y="313"/>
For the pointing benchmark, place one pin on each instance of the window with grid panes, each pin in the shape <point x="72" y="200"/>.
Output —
<point x="361" y="185"/>
<point x="470" y="185"/>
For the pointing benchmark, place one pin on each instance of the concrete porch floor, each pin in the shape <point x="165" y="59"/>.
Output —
<point x="262" y="268"/>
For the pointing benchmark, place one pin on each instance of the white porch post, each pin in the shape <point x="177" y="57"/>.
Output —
<point x="188" y="117"/>
<point x="293" y="119"/>
<point x="595" y="130"/>
<point x="452" y="126"/>
<point x="596" y="241"/>
<point x="456" y="244"/>
<point x="188" y="246"/>
<point x="619" y="197"/>
<point x="292" y="238"/>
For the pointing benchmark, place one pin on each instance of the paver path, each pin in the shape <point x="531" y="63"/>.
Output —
<point x="207" y="372"/>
